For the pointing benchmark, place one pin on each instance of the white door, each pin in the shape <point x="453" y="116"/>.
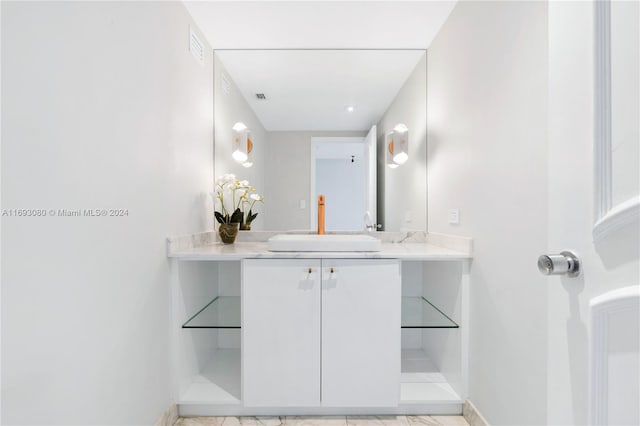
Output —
<point x="579" y="204"/>
<point x="281" y="333"/>
<point x="361" y="333"/>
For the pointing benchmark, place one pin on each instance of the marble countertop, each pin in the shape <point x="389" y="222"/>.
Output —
<point x="433" y="248"/>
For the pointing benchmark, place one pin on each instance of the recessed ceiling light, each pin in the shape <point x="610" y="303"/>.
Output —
<point x="350" y="108"/>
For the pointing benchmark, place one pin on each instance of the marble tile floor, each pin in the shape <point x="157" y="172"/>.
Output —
<point x="324" y="421"/>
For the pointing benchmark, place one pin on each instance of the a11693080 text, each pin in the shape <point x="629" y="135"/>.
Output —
<point x="81" y="212"/>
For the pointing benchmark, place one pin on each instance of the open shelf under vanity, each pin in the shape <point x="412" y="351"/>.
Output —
<point x="421" y="381"/>
<point x="218" y="382"/>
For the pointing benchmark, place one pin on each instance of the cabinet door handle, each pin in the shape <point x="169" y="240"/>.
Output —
<point x="309" y="271"/>
<point x="329" y="278"/>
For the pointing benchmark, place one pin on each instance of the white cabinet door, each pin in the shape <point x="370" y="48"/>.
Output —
<point x="281" y="332"/>
<point x="361" y="346"/>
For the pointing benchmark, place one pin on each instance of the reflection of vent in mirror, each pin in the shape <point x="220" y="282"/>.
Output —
<point x="196" y="47"/>
<point x="261" y="96"/>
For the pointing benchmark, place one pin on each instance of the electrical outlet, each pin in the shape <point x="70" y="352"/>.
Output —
<point x="454" y="216"/>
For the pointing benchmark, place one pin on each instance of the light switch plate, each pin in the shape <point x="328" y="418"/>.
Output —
<point x="303" y="204"/>
<point x="454" y="216"/>
<point x="226" y="86"/>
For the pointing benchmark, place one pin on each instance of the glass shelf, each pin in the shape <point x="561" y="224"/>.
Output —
<point x="418" y="312"/>
<point x="224" y="312"/>
<point x="221" y="312"/>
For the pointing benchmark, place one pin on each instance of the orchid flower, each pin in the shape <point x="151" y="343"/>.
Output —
<point x="234" y="196"/>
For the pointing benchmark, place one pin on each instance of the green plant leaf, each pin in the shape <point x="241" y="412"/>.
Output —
<point x="251" y="217"/>
<point x="236" y="217"/>
<point x="219" y="217"/>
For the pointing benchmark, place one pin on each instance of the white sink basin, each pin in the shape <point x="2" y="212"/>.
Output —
<point x="313" y="242"/>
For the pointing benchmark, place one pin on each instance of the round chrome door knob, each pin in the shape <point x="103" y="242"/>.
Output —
<point x="565" y="263"/>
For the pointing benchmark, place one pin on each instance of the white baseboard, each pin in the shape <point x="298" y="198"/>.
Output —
<point x="169" y="417"/>
<point x="472" y="415"/>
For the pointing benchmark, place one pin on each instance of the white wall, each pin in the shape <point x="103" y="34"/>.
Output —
<point x="609" y="264"/>
<point x="405" y="188"/>
<point x="231" y="108"/>
<point x="487" y="98"/>
<point x="103" y="107"/>
<point x="288" y="178"/>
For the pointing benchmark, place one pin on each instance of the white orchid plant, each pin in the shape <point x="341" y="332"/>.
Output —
<point x="234" y="196"/>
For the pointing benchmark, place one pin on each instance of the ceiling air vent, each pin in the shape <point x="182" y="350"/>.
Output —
<point x="196" y="47"/>
<point x="261" y="96"/>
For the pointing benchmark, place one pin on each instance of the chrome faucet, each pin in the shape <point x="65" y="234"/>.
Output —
<point x="368" y="222"/>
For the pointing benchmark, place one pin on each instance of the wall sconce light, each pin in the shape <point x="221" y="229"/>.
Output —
<point x="400" y="144"/>
<point x="242" y="144"/>
<point x="397" y="144"/>
<point x="389" y="145"/>
<point x="249" y="162"/>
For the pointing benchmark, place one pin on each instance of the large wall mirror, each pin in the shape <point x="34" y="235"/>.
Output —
<point x="331" y="122"/>
<point x="617" y="115"/>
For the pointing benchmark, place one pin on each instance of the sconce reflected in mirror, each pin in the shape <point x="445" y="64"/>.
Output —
<point x="389" y="151"/>
<point x="397" y="142"/>
<point x="400" y="137"/>
<point x="249" y="160"/>
<point x="242" y="144"/>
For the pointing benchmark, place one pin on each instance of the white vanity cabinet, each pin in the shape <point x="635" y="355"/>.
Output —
<point x="281" y="332"/>
<point x="321" y="332"/>
<point x="258" y="333"/>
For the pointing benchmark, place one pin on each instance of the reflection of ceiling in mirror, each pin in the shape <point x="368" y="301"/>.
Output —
<point x="311" y="89"/>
